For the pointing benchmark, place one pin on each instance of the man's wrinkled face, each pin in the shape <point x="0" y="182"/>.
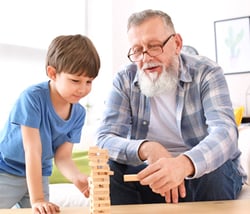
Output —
<point x="158" y="71"/>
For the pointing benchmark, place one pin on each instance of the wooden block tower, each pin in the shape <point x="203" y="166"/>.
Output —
<point x="99" y="181"/>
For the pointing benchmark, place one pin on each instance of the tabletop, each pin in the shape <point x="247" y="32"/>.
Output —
<point x="214" y="207"/>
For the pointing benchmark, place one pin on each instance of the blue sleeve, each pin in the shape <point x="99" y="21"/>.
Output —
<point x="27" y="110"/>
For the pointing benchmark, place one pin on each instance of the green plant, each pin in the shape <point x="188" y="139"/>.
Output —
<point x="232" y="41"/>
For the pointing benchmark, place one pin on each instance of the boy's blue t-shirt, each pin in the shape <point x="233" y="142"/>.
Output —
<point x="34" y="109"/>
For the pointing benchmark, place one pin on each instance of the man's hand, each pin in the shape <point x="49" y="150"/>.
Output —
<point x="152" y="151"/>
<point x="165" y="174"/>
<point x="45" y="208"/>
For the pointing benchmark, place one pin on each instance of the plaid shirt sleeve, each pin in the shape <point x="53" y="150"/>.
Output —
<point x="124" y="126"/>
<point x="207" y="123"/>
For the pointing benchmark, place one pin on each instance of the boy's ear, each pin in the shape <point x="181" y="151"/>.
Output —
<point x="51" y="72"/>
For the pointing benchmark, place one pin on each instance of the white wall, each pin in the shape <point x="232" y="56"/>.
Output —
<point x="20" y="67"/>
<point x="33" y="23"/>
<point x="194" y="20"/>
<point x="100" y="31"/>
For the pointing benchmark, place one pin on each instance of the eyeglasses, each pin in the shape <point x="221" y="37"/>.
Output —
<point x="155" y="50"/>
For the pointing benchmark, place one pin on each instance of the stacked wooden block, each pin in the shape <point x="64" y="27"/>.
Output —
<point x="99" y="181"/>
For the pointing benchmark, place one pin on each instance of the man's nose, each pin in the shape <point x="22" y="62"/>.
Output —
<point x="146" y="56"/>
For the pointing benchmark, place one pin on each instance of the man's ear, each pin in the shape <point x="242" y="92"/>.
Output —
<point x="51" y="72"/>
<point x="178" y="40"/>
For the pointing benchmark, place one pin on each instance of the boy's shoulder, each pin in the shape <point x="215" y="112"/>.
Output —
<point x="37" y="88"/>
<point x="34" y="92"/>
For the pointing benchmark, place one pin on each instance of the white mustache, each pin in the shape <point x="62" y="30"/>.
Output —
<point x="151" y="65"/>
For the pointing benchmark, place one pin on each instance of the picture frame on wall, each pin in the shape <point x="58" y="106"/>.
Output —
<point x="232" y="44"/>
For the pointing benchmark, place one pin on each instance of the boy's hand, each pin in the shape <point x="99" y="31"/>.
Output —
<point x="45" y="208"/>
<point x="81" y="182"/>
<point x="86" y="193"/>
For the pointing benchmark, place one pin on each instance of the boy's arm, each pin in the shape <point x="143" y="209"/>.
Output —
<point x="33" y="160"/>
<point x="64" y="162"/>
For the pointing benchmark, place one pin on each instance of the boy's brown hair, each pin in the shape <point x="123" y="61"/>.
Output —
<point x="74" y="54"/>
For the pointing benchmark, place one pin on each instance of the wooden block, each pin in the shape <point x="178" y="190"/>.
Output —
<point x="95" y="151"/>
<point x="131" y="177"/>
<point x="99" y="181"/>
<point x="99" y="165"/>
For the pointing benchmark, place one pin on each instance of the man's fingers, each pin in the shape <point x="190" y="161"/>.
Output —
<point x="172" y="196"/>
<point x="182" y="190"/>
<point x="168" y="197"/>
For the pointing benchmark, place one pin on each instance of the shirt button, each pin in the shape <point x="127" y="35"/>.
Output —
<point x="144" y="122"/>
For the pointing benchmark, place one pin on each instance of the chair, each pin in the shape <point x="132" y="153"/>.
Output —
<point x="189" y="50"/>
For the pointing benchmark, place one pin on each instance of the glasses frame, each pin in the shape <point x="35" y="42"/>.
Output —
<point x="146" y="51"/>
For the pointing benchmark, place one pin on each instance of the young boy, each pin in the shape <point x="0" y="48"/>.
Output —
<point x="44" y="123"/>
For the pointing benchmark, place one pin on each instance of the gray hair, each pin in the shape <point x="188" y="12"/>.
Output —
<point x="139" y="17"/>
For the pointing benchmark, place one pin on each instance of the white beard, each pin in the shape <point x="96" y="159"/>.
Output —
<point x="152" y="84"/>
